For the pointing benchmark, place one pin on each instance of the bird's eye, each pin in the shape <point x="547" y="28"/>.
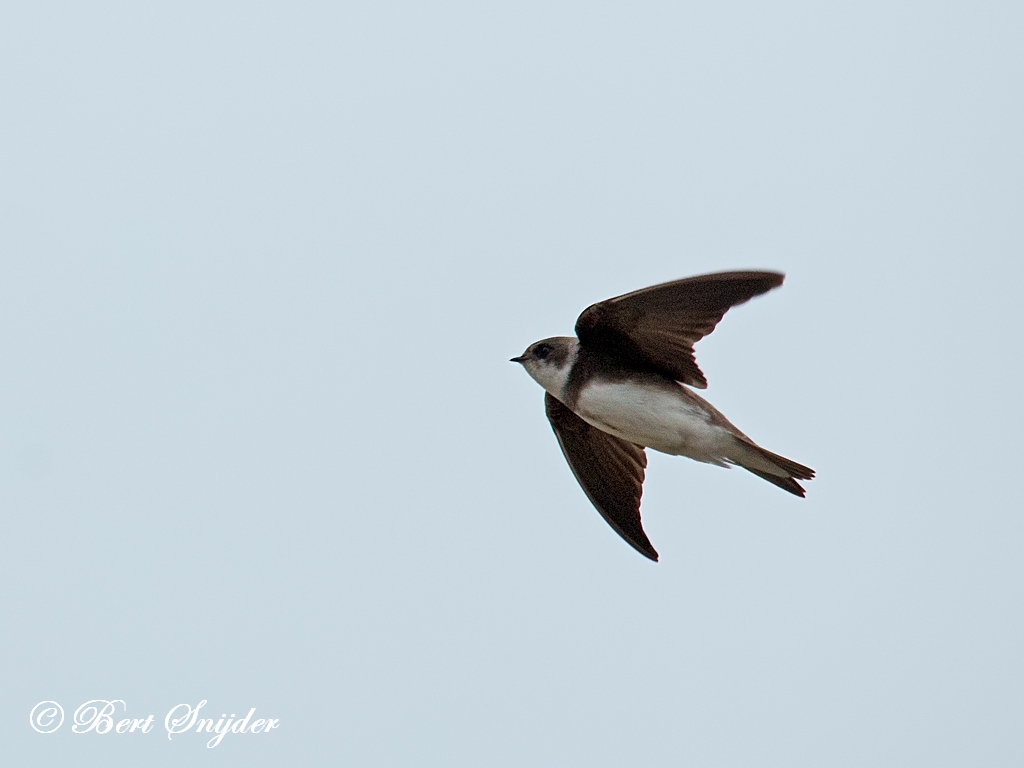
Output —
<point x="542" y="351"/>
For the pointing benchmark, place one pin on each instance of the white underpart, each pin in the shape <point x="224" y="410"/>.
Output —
<point x="659" y="418"/>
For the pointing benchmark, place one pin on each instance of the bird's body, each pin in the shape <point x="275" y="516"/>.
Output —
<point x="644" y="408"/>
<point x="621" y="386"/>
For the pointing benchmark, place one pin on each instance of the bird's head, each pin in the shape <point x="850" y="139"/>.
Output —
<point x="548" y="361"/>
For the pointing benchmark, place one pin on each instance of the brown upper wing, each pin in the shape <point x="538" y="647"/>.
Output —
<point x="655" y="328"/>
<point x="610" y="471"/>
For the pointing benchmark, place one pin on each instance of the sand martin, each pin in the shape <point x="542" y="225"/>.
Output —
<point x="623" y="385"/>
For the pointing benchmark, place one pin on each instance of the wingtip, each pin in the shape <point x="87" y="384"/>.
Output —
<point x="775" y="279"/>
<point x="647" y="551"/>
<point x="642" y="545"/>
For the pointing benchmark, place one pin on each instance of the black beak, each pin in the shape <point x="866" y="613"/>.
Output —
<point x="518" y="359"/>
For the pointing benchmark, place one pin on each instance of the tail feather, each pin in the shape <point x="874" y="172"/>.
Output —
<point x="786" y="472"/>
<point x="785" y="483"/>
<point x="798" y="471"/>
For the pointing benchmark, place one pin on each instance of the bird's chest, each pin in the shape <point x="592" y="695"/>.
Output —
<point x="656" y="414"/>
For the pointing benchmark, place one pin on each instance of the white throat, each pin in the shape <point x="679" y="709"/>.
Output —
<point x="550" y="376"/>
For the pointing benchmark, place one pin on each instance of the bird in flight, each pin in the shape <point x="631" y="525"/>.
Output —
<point x="624" y="384"/>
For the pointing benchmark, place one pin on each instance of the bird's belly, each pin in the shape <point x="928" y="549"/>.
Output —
<point x="657" y="416"/>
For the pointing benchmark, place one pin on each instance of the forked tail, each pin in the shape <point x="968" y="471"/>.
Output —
<point x="777" y="470"/>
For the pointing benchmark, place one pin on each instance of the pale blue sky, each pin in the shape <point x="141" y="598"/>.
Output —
<point x="261" y="271"/>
